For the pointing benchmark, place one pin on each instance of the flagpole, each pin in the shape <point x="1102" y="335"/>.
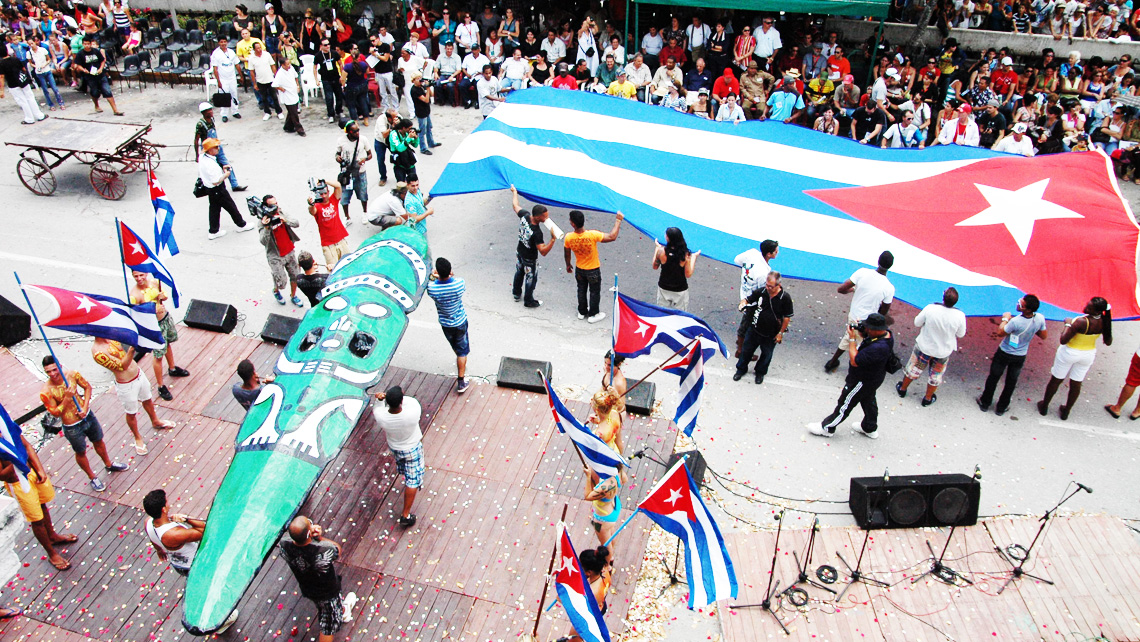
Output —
<point x="613" y="331"/>
<point x="680" y="462"/>
<point x="58" y="363"/>
<point x="679" y="351"/>
<point x="122" y="260"/>
<point x="546" y="585"/>
<point x="623" y="525"/>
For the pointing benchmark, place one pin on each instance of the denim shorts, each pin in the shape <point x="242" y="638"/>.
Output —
<point x="78" y="434"/>
<point x="457" y="337"/>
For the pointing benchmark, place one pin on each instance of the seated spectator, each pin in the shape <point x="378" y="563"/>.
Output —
<point x="702" y="107"/>
<point x="582" y="73"/>
<point x="1051" y="135"/>
<point x="607" y="73"/>
<point x="563" y="79"/>
<point x="729" y="110"/>
<point x="846" y="97"/>
<point x="639" y="74"/>
<point x="818" y="94"/>
<point x="674" y="100"/>
<point x="827" y="123"/>
<point x="513" y="72"/>
<point x="616" y="50"/>
<point x="668" y="75"/>
<point x="724" y="85"/>
<point x="1074" y="120"/>
<point x="622" y="87"/>
<point x="1017" y="142"/>
<point x="247" y="391"/>
<point x="962" y="131"/>
<point x="904" y="133"/>
<point x="675" y="50"/>
<point x="991" y="125"/>
<point x="697" y="79"/>
<point x="134" y="40"/>
<point x="980" y="94"/>
<point x="785" y="103"/>
<point x="754" y="87"/>
<point x="868" y="123"/>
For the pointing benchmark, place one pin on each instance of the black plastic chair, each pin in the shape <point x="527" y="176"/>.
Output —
<point x="210" y="36"/>
<point x="185" y="64"/>
<point x="143" y="24"/>
<point x="255" y="33"/>
<point x="191" y="24"/>
<point x="203" y="67"/>
<point x="194" y="40"/>
<point x="145" y="66"/>
<point x="111" y="53"/>
<point x="167" y="27"/>
<point x="132" y="68"/>
<point x="177" y="41"/>
<point x="153" y="39"/>
<point x="165" y="62"/>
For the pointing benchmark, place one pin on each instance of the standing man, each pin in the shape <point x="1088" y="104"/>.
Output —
<point x="329" y="69"/>
<point x="223" y="64"/>
<point x="771" y="313"/>
<point x="213" y="175"/>
<point x="60" y="397"/>
<point x="148" y="289"/>
<point x="174" y="537"/>
<point x="942" y="325"/>
<point x="278" y="238"/>
<point x="868" y="368"/>
<point x="447" y="290"/>
<point x="488" y="90"/>
<point x="530" y="246"/>
<point x="14" y="75"/>
<point x="93" y="65"/>
<point x="352" y="154"/>
<point x="400" y="422"/>
<point x="34" y="504"/>
<point x="584" y="244"/>
<point x="380" y="134"/>
<point x="416" y="206"/>
<point x="421" y="101"/>
<point x="768" y="42"/>
<point x="334" y="243"/>
<point x="310" y="556"/>
<point x="696" y="37"/>
<point x="1010" y="356"/>
<point x="288" y="86"/>
<point x="264" y="71"/>
<point x="131" y="386"/>
<point x="874" y="293"/>
<point x="754" y="268"/>
<point x="205" y="128"/>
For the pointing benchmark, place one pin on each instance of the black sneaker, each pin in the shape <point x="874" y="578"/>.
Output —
<point x="426" y="152"/>
<point x="409" y="521"/>
<point x="759" y="379"/>
<point x="238" y="116"/>
<point x="927" y="402"/>
<point x="831" y="366"/>
<point x="899" y="389"/>
<point x="533" y="304"/>
<point x="178" y="371"/>
<point x="241" y="188"/>
<point x="164" y="393"/>
<point x="518" y="297"/>
<point x="984" y="407"/>
<point x="737" y="376"/>
<point x="999" y="411"/>
<point x="116" y="467"/>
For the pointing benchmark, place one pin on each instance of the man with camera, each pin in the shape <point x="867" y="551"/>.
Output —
<point x="276" y="235"/>
<point x="352" y="154"/>
<point x="868" y="367"/>
<point x="322" y="207"/>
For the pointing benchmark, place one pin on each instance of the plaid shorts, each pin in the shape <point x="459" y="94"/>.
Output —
<point x="330" y="615"/>
<point x="919" y="361"/>
<point x="410" y="463"/>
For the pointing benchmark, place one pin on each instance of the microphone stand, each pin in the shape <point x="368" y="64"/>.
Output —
<point x="1018" y="570"/>
<point x="803" y="577"/>
<point x="854" y="573"/>
<point x="770" y="592"/>
<point x="940" y="571"/>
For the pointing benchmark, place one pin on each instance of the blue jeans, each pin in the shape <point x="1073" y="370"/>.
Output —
<point x="526" y="278"/>
<point x="356" y="97"/>
<point x="381" y="152"/>
<point x="267" y="98"/>
<point x="334" y="97"/>
<point x="426" y="139"/>
<point x="358" y="184"/>
<point x="47" y="80"/>
<point x="222" y="161"/>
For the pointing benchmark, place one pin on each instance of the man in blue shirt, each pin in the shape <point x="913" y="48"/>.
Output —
<point x="446" y="290"/>
<point x="785" y="104"/>
<point x="1010" y="355"/>
<point x="698" y="78"/>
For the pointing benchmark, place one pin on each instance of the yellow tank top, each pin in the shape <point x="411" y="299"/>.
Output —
<point x="1083" y="341"/>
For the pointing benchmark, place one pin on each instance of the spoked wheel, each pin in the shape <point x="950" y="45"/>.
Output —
<point x="36" y="176"/>
<point x="107" y="181"/>
<point x="136" y="158"/>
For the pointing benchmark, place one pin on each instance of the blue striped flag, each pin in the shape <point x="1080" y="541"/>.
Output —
<point x="163" y="217"/>
<point x="11" y="445"/>
<point x="692" y="385"/>
<point x="575" y="594"/>
<point x="990" y="224"/>
<point x="601" y="458"/>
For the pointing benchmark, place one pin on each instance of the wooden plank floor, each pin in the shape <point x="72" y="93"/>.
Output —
<point x="472" y="568"/>
<point x="1094" y="561"/>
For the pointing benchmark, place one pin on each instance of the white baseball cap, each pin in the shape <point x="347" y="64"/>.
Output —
<point x="1007" y="61"/>
<point x="1020" y="128"/>
<point x="893" y="73"/>
<point x="204" y="106"/>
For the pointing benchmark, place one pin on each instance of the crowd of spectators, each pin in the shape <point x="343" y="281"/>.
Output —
<point x="1090" y="19"/>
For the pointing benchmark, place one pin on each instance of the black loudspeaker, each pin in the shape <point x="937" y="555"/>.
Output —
<point x="15" y="324"/>
<point x="640" y="400"/>
<point x="520" y="374"/>
<point x="914" y="501"/>
<point x="694" y="461"/>
<point x="207" y="315"/>
<point x="279" y="329"/>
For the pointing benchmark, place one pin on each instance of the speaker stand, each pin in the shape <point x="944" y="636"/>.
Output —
<point x="770" y="592"/>
<point x="1018" y="570"/>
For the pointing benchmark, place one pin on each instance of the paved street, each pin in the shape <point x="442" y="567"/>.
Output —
<point x="754" y="434"/>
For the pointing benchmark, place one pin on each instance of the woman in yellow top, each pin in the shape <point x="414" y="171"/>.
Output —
<point x="1076" y="353"/>
<point x="619" y="383"/>
<point x="607" y="418"/>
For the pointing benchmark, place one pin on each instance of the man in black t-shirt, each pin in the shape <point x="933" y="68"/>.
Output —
<point x="19" y="83"/>
<point x="311" y="558"/>
<point x="991" y="125"/>
<point x="421" y="94"/>
<point x="773" y="312"/>
<point x="309" y="281"/>
<point x="91" y="63"/>
<point x="529" y="247"/>
<point x="328" y="68"/>
<point x="868" y="369"/>
<point x="867" y="124"/>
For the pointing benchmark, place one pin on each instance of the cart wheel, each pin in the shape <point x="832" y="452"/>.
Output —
<point x="36" y="176"/>
<point x="87" y="158"/>
<point x="152" y="153"/>
<point x="107" y="181"/>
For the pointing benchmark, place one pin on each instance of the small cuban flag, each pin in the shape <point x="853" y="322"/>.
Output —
<point x="12" y="447"/>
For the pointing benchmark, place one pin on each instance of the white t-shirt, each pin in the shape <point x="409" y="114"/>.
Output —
<point x="402" y="429"/>
<point x="1011" y="146"/>
<point x="941" y="329"/>
<point x="753" y="271"/>
<point x="515" y="69"/>
<point x="262" y="67"/>
<point x="618" y="54"/>
<point x="697" y="36"/>
<point x="554" y="50"/>
<point x="879" y="91"/>
<point x="287" y="80"/>
<point x="899" y="136"/>
<point x="224" y="62"/>
<point x="871" y="290"/>
<point x="487" y="89"/>
<point x="473" y="65"/>
<point x="652" y="44"/>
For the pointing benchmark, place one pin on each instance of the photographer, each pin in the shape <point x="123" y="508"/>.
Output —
<point x="278" y="238"/>
<point x="322" y="207"/>
<point x="352" y="153"/>
<point x="868" y="368"/>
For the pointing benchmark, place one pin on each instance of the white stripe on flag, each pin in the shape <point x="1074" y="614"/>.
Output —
<point x="688" y="408"/>
<point x="721" y="581"/>
<point x="719" y="147"/>
<point x="696" y="570"/>
<point x="579" y="605"/>
<point x="734" y="215"/>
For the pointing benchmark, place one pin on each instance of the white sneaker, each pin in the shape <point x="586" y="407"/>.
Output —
<point x="215" y="235"/>
<point x="281" y="116"/>
<point x="245" y="228"/>
<point x="349" y="602"/>
<point x="265" y="117"/>
<point x="597" y="317"/>
<point x="581" y="316"/>
<point x="228" y="623"/>
<point x="331" y="119"/>
<point x="818" y="431"/>
<point x="869" y="435"/>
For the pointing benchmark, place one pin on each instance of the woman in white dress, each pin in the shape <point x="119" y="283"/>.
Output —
<point x="588" y="45"/>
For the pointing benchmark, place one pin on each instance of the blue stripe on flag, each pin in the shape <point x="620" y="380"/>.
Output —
<point x="602" y="459"/>
<point x="11" y="446"/>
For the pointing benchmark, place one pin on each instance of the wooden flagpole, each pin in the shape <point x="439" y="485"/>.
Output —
<point x="549" y="570"/>
<point x="642" y="380"/>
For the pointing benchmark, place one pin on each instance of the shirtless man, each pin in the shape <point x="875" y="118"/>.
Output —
<point x="60" y="397"/>
<point x="131" y="386"/>
<point x="34" y="504"/>
<point x="148" y="289"/>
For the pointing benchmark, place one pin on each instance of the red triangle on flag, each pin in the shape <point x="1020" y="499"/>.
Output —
<point x="672" y="494"/>
<point x="133" y="251"/>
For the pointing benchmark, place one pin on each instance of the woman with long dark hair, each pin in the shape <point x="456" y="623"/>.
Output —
<point x="676" y="264"/>
<point x="1076" y="353"/>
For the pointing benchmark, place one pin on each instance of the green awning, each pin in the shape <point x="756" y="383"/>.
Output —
<point x="875" y="8"/>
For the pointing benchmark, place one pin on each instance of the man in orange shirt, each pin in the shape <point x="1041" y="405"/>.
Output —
<point x="584" y="244"/>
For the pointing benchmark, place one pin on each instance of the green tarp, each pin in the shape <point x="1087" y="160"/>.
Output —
<point x="876" y="8"/>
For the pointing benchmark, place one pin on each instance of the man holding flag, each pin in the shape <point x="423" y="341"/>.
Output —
<point x="131" y="386"/>
<point x="148" y="289"/>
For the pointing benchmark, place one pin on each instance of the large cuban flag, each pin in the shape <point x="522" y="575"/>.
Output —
<point x="575" y="594"/>
<point x="992" y="225"/>
<point x="96" y="315"/>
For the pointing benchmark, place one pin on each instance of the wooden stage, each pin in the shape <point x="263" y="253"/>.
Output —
<point x="472" y="568"/>
<point x="1094" y="560"/>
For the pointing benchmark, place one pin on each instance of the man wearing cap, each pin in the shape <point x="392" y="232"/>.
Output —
<point x="768" y="43"/>
<point x="815" y="63"/>
<point x="223" y="65"/>
<point x="213" y="174"/>
<point x="879" y="90"/>
<point x="205" y="128"/>
<point x="390" y="210"/>
<point x="473" y="64"/>
<point x="846" y="97"/>
<point x="991" y="125"/>
<point x="563" y="79"/>
<point x="818" y="92"/>
<point x="754" y="86"/>
<point x="785" y="104"/>
<point x="963" y="131"/>
<point x="668" y="75"/>
<point x="873" y="294"/>
<point x="1017" y="142"/>
<point x="288" y="88"/>
<point x="622" y="87"/>
<point x="1003" y="81"/>
<point x="868" y="123"/>
<point x="409" y="64"/>
<point x="869" y="346"/>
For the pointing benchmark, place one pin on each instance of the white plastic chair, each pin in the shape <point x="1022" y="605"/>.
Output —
<point x="210" y="82"/>
<point x="309" y="84"/>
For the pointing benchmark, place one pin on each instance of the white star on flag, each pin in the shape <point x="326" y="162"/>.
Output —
<point x="567" y="565"/>
<point x="641" y="328"/>
<point x="674" y="497"/>
<point x="1017" y="210"/>
<point x="136" y="248"/>
<point x="85" y="304"/>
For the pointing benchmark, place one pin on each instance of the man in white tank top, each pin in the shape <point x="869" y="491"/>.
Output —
<point x="174" y="537"/>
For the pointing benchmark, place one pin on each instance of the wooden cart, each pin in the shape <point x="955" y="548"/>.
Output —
<point x="111" y="149"/>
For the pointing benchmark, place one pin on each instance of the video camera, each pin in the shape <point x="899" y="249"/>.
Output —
<point x="318" y="187"/>
<point x="259" y="210"/>
<point x="860" y="327"/>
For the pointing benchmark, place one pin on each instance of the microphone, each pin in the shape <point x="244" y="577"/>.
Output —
<point x="886" y="475"/>
<point x="1083" y="487"/>
<point x="978" y="472"/>
<point x="639" y="454"/>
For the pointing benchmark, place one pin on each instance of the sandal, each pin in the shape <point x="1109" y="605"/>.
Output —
<point x="141" y="449"/>
<point x="1115" y="415"/>
<point x="67" y="539"/>
<point x="63" y="566"/>
<point x="164" y="425"/>
<point x="9" y="613"/>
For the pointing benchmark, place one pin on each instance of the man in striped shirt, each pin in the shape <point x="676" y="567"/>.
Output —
<point x="446" y="290"/>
